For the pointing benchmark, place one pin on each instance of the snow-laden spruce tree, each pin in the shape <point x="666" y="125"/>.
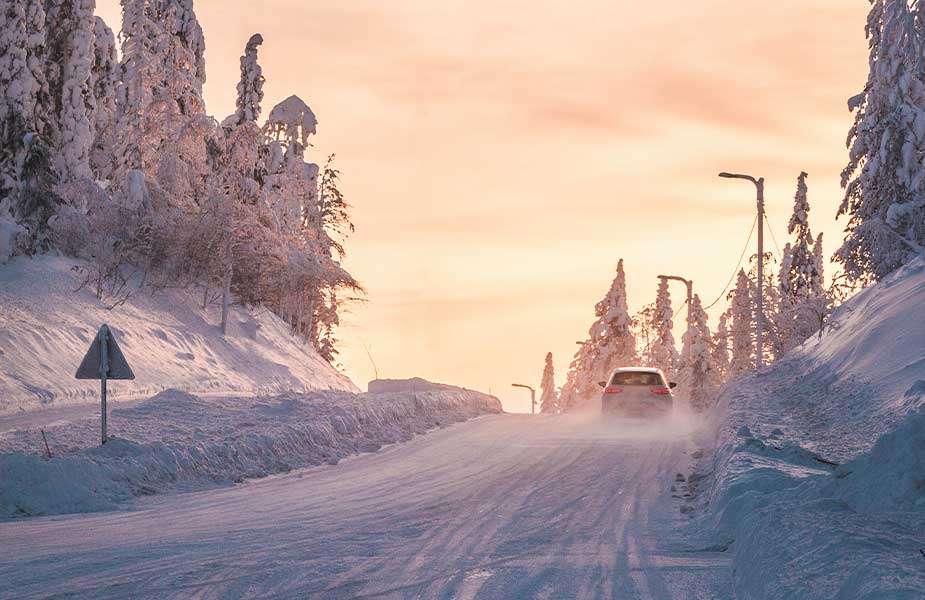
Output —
<point x="75" y="52"/>
<point x="721" y="348"/>
<point x="742" y="314"/>
<point x="574" y="393"/>
<point x="18" y="89"/>
<point x="250" y="86"/>
<point x="699" y="379"/>
<point x="104" y="81"/>
<point x="549" y="401"/>
<point x="884" y="180"/>
<point x="663" y="353"/>
<point x="800" y="281"/>
<point x="612" y="339"/>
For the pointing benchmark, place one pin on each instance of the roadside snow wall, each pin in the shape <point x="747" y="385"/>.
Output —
<point x="178" y="442"/>
<point x="817" y="481"/>
<point x="169" y="340"/>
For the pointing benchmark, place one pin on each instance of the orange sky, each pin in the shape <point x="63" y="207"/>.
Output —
<point x="501" y="156"/>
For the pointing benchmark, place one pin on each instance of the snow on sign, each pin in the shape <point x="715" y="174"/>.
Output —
<point x="104" y="360"/>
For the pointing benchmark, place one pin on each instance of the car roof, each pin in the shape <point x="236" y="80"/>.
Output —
<point x="637" y="370"/>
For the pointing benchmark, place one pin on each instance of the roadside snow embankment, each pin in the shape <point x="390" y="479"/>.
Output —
<point x="177" y="441"/>
<point x="169" y="340"/>
<point x="818" y="477"/>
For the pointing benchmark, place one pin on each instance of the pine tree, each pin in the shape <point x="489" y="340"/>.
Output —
<point x="18" y="89"/>
<point x="663" y="353"/>
<point x="613" y="343"/>
<point x="818" y="284"/>
<point x="800" y="282"/>
<point x="549" y="402"/>
<point x="721" y="348"/>
<point x="742" y="315"/>
<point x="104" y="80"/>
<point x="801" y="274"/>
<point x="578" y="380"/>
<point x="76" y="100"/>
<point x="884" y="180"/>
<point x="699" y="379"/>
<point x="250" y="87"/>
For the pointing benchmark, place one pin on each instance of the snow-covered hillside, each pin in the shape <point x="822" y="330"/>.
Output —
<point x="168" y="339"/>
<point x="817" y="483"/>
<point x="178" y="441"/>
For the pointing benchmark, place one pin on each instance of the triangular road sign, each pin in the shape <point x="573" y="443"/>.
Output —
<point x="116" y="367"/>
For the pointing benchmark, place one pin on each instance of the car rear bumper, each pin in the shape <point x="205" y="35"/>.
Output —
<point x="635" y="407"/>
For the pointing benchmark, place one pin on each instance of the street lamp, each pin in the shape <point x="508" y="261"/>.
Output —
<point x="532" y="396"/>
<point x="759" y="309"/>
<point x="690" y="293"/>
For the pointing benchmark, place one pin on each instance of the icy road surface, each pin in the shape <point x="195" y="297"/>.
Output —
<point x="506" y="506"/>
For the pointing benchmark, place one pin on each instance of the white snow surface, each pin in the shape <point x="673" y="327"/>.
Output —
<point x="817" y="483"/>
<point x="169" y="341"/>
<point x="505" y="506"/>
<point x="176" y="441"/>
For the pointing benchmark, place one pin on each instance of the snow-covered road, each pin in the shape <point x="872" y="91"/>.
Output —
<point x="505" y="506"/>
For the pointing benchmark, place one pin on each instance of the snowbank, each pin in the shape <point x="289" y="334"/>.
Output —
<point x="46" y="327"/>
<point x="177" y="441"/>
<point x="818" y="475"/>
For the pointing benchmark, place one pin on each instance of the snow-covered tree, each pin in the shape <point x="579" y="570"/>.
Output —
<point x="699" y="379"/>
<point x="663" y="353"/>
<point x="250" y="86"/>
<point x="611" y="334"/>
<point x="549" y="401"/>
<point x="76" y="96"/>
<point x="742" y="314"/>
<point x="104" y="80"/>
<point x="801" y="275"/>
<point x="884" y="180"/>
<point x="800" y="281"/>
<point x="721" y="348"/>
<point x="578" y="381"/>
<point x="818" y="284"/>
<point x="18" y="89"/>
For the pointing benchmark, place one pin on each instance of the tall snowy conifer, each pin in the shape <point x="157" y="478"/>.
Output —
<point x="75" y="129"/>
<point x="721" y="348"/>
<point x="18" y="89"/>
<point x="104" y="79"/>
<point x="884" y="180"/>
<point x="611" y="334"/>
<point x="549" y="402"/>
<point x="699" y="380"/>
<point x="742" y="315"/>
<point x="250" y="87"/>
<point x="801" y="275"/>
<point x="663" y="353"/>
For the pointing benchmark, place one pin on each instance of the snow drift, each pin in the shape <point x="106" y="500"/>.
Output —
<point x="177" y="441"/>
<point x="819" y="467"/>
<point x="46" y="327"/>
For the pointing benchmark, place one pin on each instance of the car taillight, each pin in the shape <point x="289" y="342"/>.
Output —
<point x="612" y="390"/>
<point x="664" y="391"/>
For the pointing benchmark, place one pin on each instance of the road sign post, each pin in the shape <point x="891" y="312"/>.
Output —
<point x="104" y="360"/>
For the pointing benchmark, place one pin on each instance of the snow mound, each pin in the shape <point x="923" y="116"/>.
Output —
<point x="169" y="340"/>
<point x="415" y="384"/>
<point x="891" y="477"/>
<point x="803" y="525"/>
<point x="177" y="441"/>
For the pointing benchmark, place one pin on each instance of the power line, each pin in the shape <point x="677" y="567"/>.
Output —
<point x="773" y="237"/>
<point x="736" y="270"/>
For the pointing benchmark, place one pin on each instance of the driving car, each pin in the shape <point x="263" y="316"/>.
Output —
<point x="637" y="391"/>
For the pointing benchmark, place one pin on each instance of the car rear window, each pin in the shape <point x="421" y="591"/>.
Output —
<point x="637" y="378"/>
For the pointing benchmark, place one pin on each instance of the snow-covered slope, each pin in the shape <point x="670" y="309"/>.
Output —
<point x="178" y="441"/>
<point x="818" y="476"/>
<point x="170" y="342"/>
